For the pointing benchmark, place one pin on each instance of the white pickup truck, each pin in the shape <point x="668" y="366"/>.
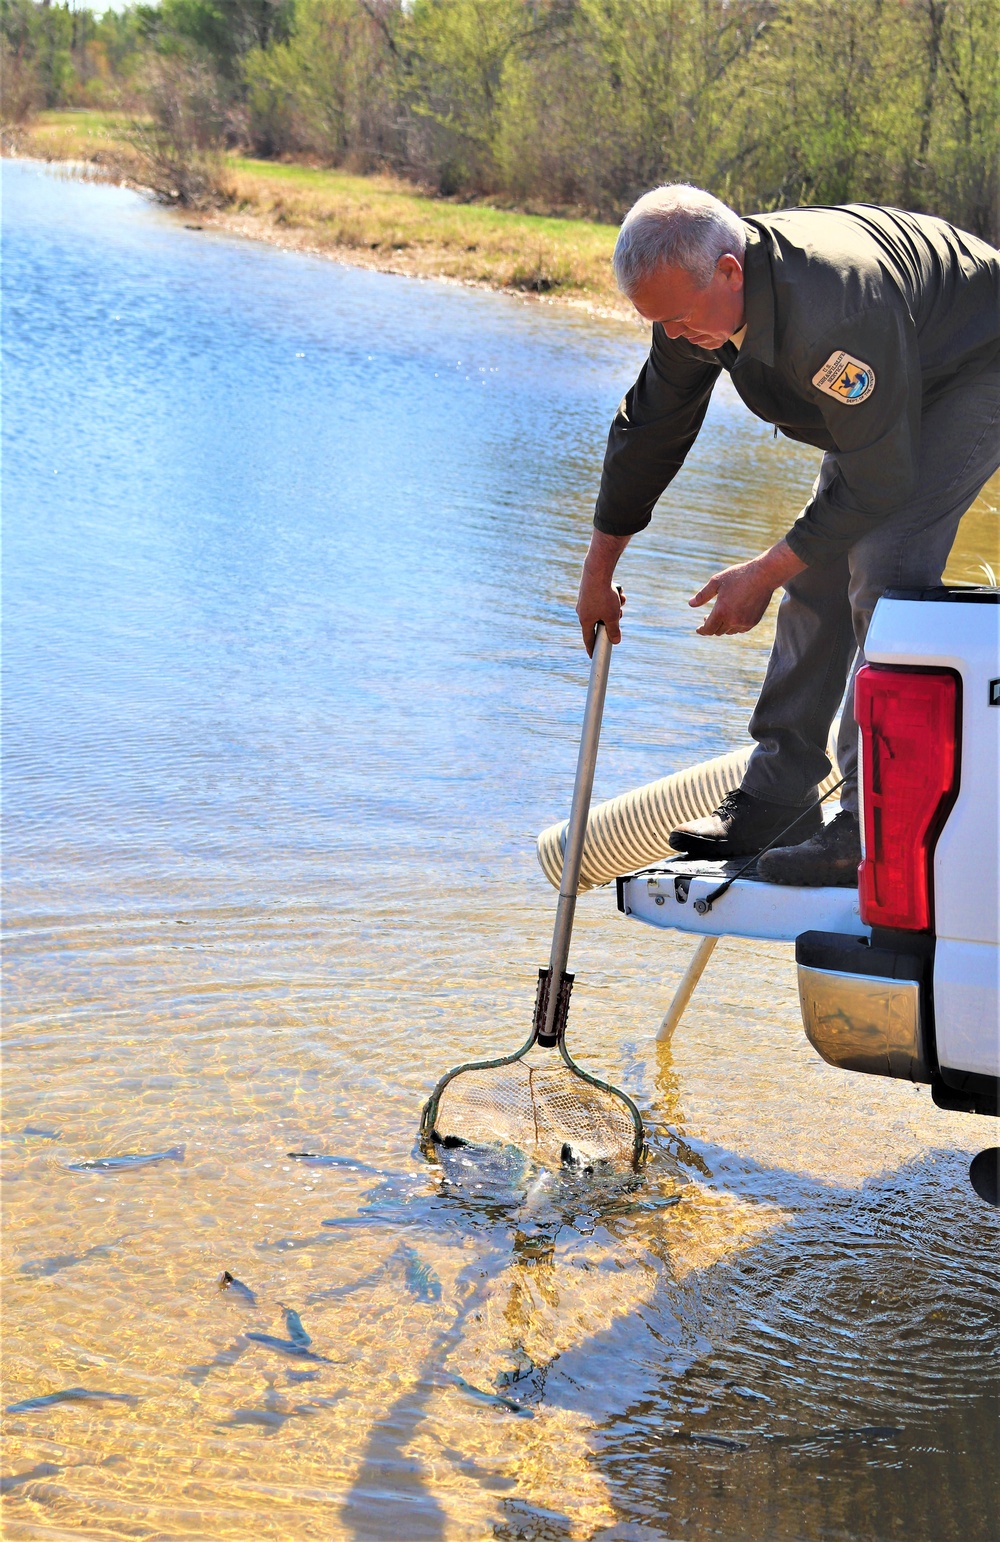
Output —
<point x="902" y="976"/>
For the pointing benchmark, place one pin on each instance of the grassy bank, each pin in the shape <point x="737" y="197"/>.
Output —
<point x="377" y="222"/>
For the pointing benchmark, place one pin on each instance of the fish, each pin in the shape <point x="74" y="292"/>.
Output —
<point x="15" y="1479"/>
<point x="70" y="1395"/>
<point x="481" y="1167"/>
<point x="421" y="1281"/>
<point x="41" y="1268"/>
<point x="296" y="1332"/>
<point x="319" y="1159"/>
<point x="137" y="1159"/>
<point x="860" y="1432"/>
<point x="42" y="1132"/>
<point x="353" y="1222"/>
<point x="495" y="1399"/>
<point x="695" y="1438"/>
<point x="235" y="1287"/>
<point x="293" y="1244"/>
<point x="288" y="1347"/>
<point x="485" y="1186"/>
<point x="659" y="1201"/>
<point x="639" y="1206"/>
<point x="849" y="1432"/>
<point x="540" y="1188"/>
<point x="296" y="1376"/>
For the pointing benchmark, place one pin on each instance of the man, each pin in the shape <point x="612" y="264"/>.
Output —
<point x="870" y="333"/>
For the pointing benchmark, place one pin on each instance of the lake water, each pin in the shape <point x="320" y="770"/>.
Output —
<point x="292" y="683"/>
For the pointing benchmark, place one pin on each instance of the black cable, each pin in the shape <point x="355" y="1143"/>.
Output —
<point x="703" y="906"/>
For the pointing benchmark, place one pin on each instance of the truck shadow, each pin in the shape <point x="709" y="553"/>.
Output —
<point x="785" y="1311"/>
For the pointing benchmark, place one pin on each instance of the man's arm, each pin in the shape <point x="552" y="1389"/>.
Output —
<point x="598" y="599"/>
<point x="877" y="435"/>
<point x="653" y="429"/>
<point x="743" y="593"/>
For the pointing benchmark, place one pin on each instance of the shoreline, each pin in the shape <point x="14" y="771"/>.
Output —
<point x="256" y="227"/>
<point x="378" y="223"/>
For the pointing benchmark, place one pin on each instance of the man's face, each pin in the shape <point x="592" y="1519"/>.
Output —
<point x="705" y="317"/>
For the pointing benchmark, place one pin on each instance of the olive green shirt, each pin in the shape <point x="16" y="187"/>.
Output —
<point x="856" y="319"/>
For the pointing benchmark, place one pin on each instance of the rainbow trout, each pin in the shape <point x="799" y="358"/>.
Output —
<point x="115" y="1164"/>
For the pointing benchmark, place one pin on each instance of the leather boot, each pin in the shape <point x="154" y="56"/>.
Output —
<point x="743" y="825"/>
<point x="831" y="858"/>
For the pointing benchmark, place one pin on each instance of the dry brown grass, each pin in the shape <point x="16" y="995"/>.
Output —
<point x="378" y="222"/>
<point x="98" y="139"/>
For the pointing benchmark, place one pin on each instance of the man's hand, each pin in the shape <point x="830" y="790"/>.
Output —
<point x="743" y="593"/>
<point x="599" y="599"/>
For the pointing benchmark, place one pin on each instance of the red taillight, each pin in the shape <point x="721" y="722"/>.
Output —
<point x="909" y="741"/>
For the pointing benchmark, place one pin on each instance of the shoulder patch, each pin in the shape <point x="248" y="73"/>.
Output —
<point x="845" y="378"/>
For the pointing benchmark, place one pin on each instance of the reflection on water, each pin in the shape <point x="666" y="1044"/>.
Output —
<point x="292" y="683"/>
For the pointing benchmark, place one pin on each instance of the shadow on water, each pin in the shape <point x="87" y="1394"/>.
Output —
<point x="390" y="1495"/>
<point x="844" y="1359"/>
<point x="843" y="1339"/>
<point x="517" y="1213"/>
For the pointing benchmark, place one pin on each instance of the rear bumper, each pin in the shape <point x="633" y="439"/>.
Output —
<point x="863" y="1007"/>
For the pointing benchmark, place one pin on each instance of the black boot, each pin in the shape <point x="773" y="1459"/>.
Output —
<point x="743" y="825"/>
<point x="830" y="858"/>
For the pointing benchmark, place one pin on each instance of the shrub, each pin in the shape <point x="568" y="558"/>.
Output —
<point x="179" y="147"/>
<point x="21" y="91"/>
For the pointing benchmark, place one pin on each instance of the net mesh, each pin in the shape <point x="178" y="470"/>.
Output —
<point x="541" y="1105"/>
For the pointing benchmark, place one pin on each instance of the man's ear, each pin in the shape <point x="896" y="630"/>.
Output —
<point x="731" y="269"/>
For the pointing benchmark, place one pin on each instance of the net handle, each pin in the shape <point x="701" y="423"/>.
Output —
<point x="583" y="787"/>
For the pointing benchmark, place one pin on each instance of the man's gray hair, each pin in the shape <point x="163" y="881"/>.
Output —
<point x="679" y="227"/>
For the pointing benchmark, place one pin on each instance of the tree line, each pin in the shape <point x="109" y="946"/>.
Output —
<point x="558" y="105"/>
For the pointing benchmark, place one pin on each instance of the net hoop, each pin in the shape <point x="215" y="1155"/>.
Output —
<point x="429" y="1137"/>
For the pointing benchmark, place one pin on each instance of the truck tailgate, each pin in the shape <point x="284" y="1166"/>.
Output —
<point x="665" y="895"/>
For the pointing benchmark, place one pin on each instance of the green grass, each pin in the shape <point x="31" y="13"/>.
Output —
<point x="442" y="210"/>
<point x="382" y="216"/>
<point x="380" y="221"/>
<point x="81" y="131"/>
<point x="88" y="120"/>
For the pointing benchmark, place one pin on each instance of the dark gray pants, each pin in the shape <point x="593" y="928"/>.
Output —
<point x="824" y="614"/>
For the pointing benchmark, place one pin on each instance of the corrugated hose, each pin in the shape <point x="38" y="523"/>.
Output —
<point x="631" y="831"/>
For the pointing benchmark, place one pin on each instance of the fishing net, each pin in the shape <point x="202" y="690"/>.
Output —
<point x="538" y="1100"/>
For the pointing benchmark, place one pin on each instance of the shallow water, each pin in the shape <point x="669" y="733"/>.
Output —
<point x="292" y="683"/>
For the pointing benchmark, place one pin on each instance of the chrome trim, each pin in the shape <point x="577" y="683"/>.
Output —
<point x="864" y="1022"/>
